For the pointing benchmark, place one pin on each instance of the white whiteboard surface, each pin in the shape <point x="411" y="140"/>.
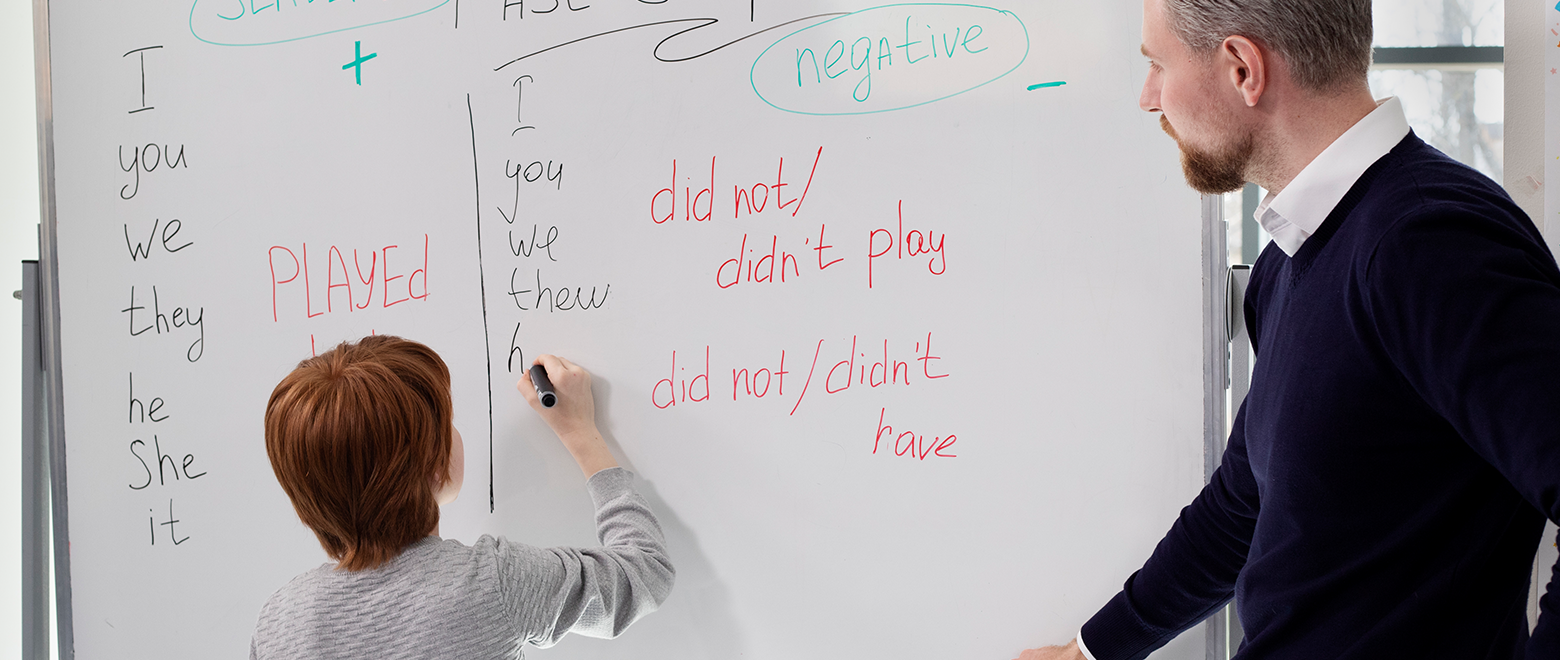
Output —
<point x="1056" y="333"/>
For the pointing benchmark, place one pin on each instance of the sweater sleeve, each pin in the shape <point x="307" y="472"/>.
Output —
<point x="1467" y="304"/>
<point x="596" y="592"/>
<point x="1192" y="572"/>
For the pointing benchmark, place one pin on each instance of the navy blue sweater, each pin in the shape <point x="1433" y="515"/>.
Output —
<point x="1387" y="479"/>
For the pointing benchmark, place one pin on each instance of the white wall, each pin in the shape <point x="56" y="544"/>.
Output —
<point x="1525" y="109"/>
<point x="18" y="240"/>
<point x="1524" y="167"/>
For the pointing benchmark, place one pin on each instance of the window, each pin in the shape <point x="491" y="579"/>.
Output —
<point x="1444" y="60"/>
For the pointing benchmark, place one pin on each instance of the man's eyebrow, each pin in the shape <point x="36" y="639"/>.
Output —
<point x="1146" y="54"/>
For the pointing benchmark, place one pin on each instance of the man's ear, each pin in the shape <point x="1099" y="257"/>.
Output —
<point x="1247" y="67"/>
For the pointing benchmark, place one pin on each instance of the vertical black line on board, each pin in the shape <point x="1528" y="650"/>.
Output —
<point x="751" y="3"/>
<point x="487" y="348"/>
<point x="457" y="26"/>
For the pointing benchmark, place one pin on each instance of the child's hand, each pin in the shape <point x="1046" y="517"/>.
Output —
<point x="573" y="418"/>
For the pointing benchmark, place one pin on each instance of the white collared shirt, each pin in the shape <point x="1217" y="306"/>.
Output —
<point x="1291" y="216"/>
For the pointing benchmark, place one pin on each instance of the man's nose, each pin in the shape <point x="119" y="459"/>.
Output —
<point x="1149" y="100"/>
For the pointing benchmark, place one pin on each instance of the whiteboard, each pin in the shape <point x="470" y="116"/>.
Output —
<point x="906" y="351"/>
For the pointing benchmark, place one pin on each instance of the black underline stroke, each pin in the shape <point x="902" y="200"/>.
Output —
<point x="482" y="287"/>
<point x="702" y="23"/>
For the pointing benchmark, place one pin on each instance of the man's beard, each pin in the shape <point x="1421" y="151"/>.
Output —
<point x="1214" y="172"/>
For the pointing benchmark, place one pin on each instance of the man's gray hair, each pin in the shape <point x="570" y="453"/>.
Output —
<point x="1325" y="42"/>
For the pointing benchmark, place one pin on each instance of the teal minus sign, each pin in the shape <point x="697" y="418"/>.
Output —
<point x="1049" y="84"/>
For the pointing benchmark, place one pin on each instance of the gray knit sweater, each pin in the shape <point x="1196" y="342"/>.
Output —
<point x="440" y="598"/>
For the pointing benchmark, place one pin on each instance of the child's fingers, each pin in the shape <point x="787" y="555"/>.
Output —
<point x="527" y="390"/>
<point x="553" y="364"/>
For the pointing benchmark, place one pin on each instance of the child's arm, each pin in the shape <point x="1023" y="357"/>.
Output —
<point x="596" y="592"/>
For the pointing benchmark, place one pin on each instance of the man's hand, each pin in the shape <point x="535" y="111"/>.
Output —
<point x="1068" y="652"/>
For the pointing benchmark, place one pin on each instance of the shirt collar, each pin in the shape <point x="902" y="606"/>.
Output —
<point x="1292" y="215"/>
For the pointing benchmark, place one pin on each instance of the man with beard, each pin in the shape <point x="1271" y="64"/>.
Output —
<point x="1388" y="476"/>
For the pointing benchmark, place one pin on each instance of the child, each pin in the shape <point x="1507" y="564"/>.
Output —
<point x="361" y="440"/>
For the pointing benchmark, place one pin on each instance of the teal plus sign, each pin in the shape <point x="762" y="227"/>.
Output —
<point x="357" y="64"/>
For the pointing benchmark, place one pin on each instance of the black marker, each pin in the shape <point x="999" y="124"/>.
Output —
<point x="544" y="387"/>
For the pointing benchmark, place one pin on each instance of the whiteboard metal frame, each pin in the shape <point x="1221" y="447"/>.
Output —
<point x="49" y="315"/>
<point x="1216" y="375"/>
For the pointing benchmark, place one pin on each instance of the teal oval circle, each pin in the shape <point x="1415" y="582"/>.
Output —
<point x="267" y="22"/>
<point x="887" y="58"/>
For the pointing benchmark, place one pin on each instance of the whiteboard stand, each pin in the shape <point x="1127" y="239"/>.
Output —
<point x="1240" y="386"/>
<point x="1240" y="339"/>
<point x="35" y="477"/>
<point x="1216" y="380"/>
